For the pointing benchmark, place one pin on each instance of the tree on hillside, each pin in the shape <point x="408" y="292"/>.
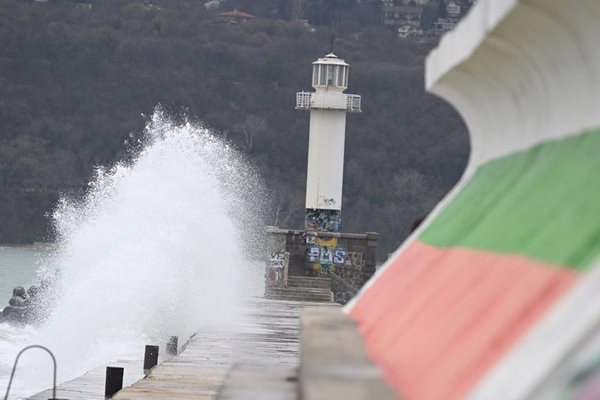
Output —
<point x="442" y="11"/>
<point x="74" y="83"/>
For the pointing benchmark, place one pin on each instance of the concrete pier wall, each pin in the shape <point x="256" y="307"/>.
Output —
<point x="495" y="295"/>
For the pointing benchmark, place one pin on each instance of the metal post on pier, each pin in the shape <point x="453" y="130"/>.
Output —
<point x="114" y="381"/>
<point x="150" y="358"/>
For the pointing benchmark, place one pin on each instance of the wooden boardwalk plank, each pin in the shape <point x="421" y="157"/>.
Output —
<point x="266" y="339"/>
<point x="90" y="386"/>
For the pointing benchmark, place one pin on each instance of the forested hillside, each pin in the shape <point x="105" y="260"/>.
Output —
<point x="75" y="81"/>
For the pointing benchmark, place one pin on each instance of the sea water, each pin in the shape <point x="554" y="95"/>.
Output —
<point x="17" y="268"/>
<point x="160" y="245"/>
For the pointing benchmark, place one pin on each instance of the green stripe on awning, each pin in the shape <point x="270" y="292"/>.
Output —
<point x="543" y="203"/>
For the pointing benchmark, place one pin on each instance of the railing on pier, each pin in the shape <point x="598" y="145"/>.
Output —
<point x="338" y="279"/>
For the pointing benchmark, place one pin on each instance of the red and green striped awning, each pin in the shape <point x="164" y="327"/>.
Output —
<point x="496" y="258"/>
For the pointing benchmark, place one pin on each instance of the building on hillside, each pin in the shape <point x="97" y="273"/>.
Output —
<point x="407" y="16"/>
<point x="409" y="30"/>
<point x="442" y="25"/>
<point x="297" y="9"/>
<point x="412" y="3"/>
<point x="401" y="15"/>
<point x="234" y="17"/>
<point x="212" y="5"/>
<point x="453" y="9"/>
<point x="149" y="6"/>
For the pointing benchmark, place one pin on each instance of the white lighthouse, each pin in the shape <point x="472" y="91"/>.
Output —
<point x="328" y="106"/>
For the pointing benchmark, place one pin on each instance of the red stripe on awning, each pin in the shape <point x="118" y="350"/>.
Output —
<point x="437" y="319"/>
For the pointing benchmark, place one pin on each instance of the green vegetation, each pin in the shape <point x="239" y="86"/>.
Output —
<point x="75" y="81"/>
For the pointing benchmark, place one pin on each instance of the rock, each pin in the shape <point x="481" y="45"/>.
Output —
<point x="25" y="305"/>
<point x="17" y="301"/>
<point x="16" y="315"/>
<point x="12" y="312"/>
<point x="19" y="291"/>
<point x="33" y="292"/>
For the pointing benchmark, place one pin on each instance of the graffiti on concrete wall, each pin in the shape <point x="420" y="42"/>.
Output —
<point x="353" y="268"/>
<point x="295" y="240"/>
<point x="326" y="242"/>
<point x="326" y="202"/>
<point x="351" y="273"/>
<point x="277" y="259"/>
<point x="323" y="254"/>
<point x="355" y="258"/>
<point x="276" y="269"/>
<point x="342" y="297"/>
<point x="323" y="220"/>
<point x="313" y="253"/>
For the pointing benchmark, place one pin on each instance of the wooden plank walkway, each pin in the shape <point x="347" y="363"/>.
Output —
<point x="267" y="339"/>
<point x="90" y="386"/>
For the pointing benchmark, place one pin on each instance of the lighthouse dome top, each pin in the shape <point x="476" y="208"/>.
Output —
<point x="330" y="73"/>
<point x="330" y="59"/>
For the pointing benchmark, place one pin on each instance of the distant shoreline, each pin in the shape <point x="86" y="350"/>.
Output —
<point x="35" y="245"/>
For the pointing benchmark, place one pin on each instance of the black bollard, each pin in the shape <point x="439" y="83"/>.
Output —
<point x="114" y="381"/>
<point x="150" y="358"/>
<point x="172" y="345"/>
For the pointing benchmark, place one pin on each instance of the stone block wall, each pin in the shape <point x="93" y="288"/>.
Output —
<point x="350" y="256"/>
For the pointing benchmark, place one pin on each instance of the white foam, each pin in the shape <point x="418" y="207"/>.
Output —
<point x="155" y="248"/>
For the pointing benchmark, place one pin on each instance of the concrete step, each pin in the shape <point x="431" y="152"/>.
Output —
<point x="309" y="278"/>
<point x="315" y="299"/>
<point x="300" y="290"/>
<point x="292" y="297"/>
<point x="299" y="294"/>
<point x="309" y="282"/>
<point x="294" y="285"/>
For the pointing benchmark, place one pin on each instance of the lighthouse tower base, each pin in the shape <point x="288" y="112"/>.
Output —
<point x="348" y="260"/>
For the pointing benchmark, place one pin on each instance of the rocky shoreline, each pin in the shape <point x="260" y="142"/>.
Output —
<point x="23" y="305"/>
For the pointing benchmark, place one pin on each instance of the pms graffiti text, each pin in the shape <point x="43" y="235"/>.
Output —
<point x="326" y="255"/>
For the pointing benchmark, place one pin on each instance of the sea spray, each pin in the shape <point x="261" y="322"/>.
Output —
<point x="156" y="247"/>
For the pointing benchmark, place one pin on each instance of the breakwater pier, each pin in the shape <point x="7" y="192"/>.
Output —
<point x="263" y="347"/>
